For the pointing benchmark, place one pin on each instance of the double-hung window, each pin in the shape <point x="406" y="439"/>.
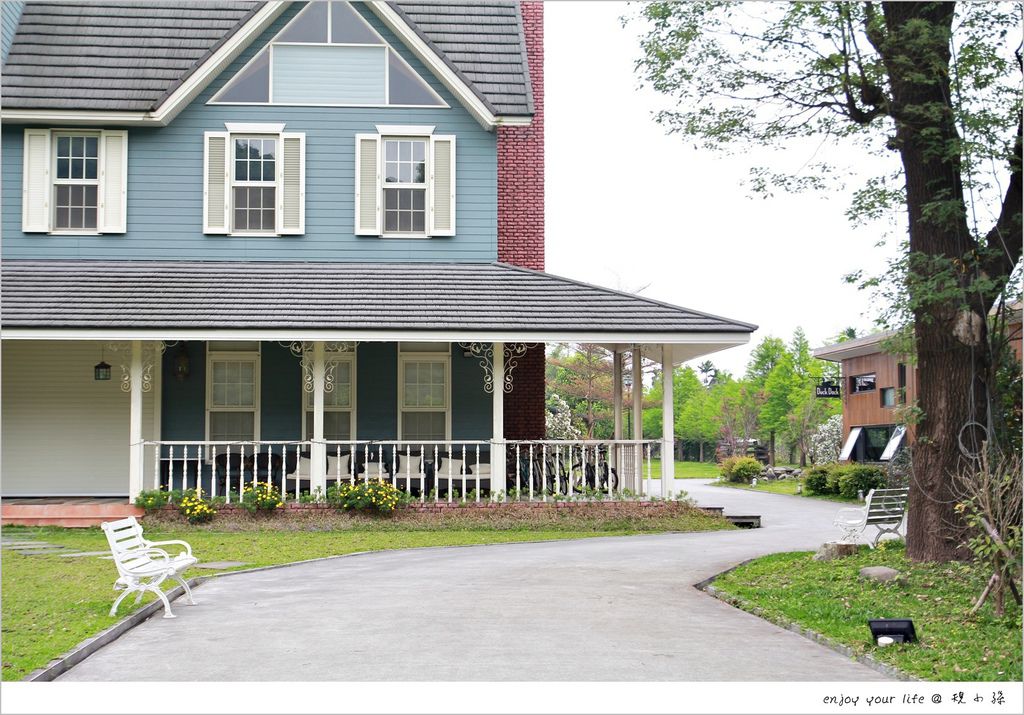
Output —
<point x="75" y="181"/>
<point x="255" y="182"/>
<point x="254" y="185"/>
<point x="339" y="403"/>
<point x="405" y="183"/>
<point x="233" y="395"/>
<point x="424" y="393"/>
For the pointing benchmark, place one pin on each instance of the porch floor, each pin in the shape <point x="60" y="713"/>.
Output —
<point x="64" y="511"/>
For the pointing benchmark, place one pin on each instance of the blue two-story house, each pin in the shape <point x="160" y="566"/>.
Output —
<point x="297" y="241"/>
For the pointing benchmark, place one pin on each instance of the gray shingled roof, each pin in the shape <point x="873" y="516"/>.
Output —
<point x="124" y="56"/>
<point x="130" y="56"/>
<point x="328" y="296"/>
<point x="483" y="42"/>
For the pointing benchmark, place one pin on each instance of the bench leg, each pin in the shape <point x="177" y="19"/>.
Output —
<point x="883" y="530"/>
<point x="188" y="591"/>
<point x="849" y="533"/>
<point x="113" y="609"/>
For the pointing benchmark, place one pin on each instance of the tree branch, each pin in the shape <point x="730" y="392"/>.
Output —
<point x="1003" y="240"/>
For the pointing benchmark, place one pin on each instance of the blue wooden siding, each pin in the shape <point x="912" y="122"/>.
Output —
<point x="10" y="13"/>
<point x="183" y="409"/>
<point x="165" y="184"/>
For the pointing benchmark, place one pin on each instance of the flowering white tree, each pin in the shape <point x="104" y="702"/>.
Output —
<point x="827" y="440"/>
<point x="558" y="419"/>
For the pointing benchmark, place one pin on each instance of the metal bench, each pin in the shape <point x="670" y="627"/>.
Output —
<point x="142" y="566"/>
<point x="883" y="508"/>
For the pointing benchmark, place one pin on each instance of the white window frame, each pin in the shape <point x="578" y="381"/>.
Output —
<point x="384" y="185"/>
<point x="238" y="356"/>
<point x="233" y="183"/>
<point x="336" y="357"/>
<point x="388" y="50"/>
<point x="442" y="357"/>
<point x="55" y="181"/>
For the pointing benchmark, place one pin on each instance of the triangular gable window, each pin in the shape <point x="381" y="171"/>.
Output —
<point x="328" y="55"/>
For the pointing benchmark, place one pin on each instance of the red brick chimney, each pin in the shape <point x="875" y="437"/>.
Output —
<point x="521" y="163"/>
<point x="521" y="225"/>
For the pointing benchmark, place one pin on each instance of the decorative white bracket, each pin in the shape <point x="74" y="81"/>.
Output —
<point x="484" y="352"/>
<point x="303" y="349"/>
<point x="151" y="355"/>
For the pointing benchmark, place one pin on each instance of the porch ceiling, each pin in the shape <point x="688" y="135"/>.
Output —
<point x="370" y="301"/>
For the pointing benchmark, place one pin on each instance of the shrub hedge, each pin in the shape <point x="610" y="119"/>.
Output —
<point x="843" y="480"/>
<point x="741" y="469"/>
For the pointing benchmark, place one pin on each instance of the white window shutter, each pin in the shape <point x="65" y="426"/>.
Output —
<point x="35" y="182"/>
<point x="113" y="190"/>
<point x="442" y="185"/>
<point x="291" y="211"/>
<point x="216" y="198"/>
<point x="368" y="187"/>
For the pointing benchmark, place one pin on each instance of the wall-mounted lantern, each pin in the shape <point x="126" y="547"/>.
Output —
<point x="182" y="365"/>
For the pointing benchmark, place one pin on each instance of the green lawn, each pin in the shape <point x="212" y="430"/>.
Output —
<point x="685" y="470"/>
<point x="50" y="604"/>
<point x="784" y="486"/>
<point x="829" y="598"/>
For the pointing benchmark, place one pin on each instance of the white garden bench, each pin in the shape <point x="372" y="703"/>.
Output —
<point x="883" y="508"/>
<point x="142" y="566"/>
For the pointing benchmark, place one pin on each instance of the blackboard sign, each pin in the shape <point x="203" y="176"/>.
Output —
<point x="826" y="389"/>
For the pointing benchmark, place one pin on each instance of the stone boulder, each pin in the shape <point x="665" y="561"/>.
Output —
<point x="882" y="574"/>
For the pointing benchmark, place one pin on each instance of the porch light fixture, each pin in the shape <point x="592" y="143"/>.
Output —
<point x="182" y="364"/>
<point x="102" y="370"/>
<point x="887" y="631"/>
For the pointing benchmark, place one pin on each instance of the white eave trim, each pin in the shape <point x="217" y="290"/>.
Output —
<point x="179" y="98"/>
<point x="714" y="340"/>
<point x="442" y="71"/>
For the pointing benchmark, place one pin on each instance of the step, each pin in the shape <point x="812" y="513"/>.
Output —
<point x="69" y="515"/>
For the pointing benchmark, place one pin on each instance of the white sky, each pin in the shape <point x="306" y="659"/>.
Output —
<point x="629" y="205"/>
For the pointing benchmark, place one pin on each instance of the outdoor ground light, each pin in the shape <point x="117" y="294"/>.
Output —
<point x="887" y="631"/>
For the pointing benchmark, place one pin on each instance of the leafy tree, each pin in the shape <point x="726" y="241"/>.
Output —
<point x="938" y="84"/>
<point x="827" y="440"/>
<point x="558" y="419"/>
<point x="582" y="374"/>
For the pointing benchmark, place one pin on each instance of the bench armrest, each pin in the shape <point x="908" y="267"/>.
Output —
<point x="149" y="551"/>
<point x="846" y="513"/>
<point x="188" y="549"/>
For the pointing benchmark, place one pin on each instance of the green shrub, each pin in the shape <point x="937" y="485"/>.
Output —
<point x="746" y="468"/>
<point x="832" y="482"/>
<point x="152" y="499"/>
<point x="373" y="496"/>
<point x="858" y="478"/>
<point x="726" y="466"/>
<point x="261" y="496"/>
<point x="816" y="479"/>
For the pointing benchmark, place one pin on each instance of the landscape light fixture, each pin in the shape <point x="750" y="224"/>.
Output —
<point x="887" y="631"/>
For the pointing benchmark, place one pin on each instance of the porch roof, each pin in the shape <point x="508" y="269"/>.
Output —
<point x="463" y="298"/>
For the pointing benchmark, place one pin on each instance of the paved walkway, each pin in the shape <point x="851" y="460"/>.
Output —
<point x="617" y="608"/>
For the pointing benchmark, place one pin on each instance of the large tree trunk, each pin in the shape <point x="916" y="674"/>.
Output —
<point x="771" y="448"/>
<point x="949" y="393"/>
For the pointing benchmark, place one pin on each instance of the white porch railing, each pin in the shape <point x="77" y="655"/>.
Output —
<point x="448" y="471"/>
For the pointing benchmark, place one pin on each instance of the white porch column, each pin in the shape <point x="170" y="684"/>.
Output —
<point x="667" y="425"/>
<point x="617" y="412"/>
<point x="318" y="450"/>
<point x="498" y="421"/>
<point x="638" y="420"/>
<point x="135" y="423"/>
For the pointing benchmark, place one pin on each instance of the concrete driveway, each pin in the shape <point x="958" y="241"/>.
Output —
<point x="600" y="609"/>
